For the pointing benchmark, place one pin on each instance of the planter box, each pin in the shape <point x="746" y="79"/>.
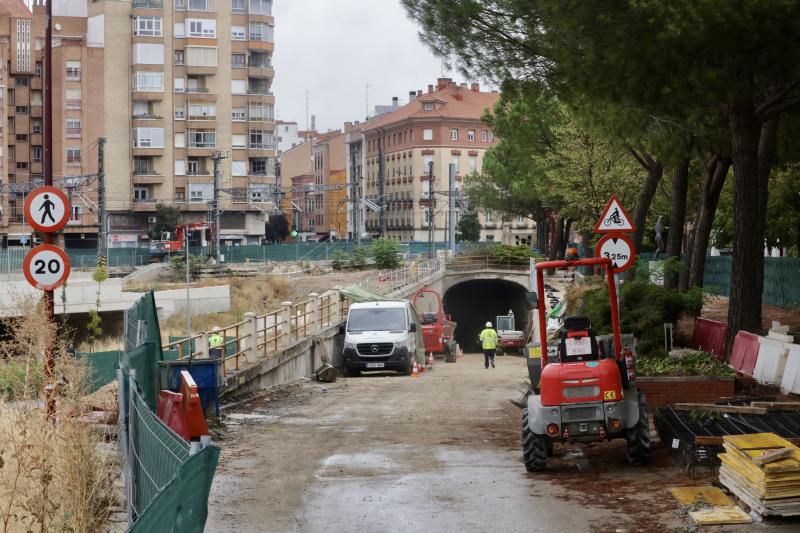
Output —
<point x="665" y="390"/>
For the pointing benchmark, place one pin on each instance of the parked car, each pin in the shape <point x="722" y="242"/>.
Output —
<point x="382" y="335"/>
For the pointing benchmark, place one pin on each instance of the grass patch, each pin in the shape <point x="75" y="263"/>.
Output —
<point x="693" y="364"/>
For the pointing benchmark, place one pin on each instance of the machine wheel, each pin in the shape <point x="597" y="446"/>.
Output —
<point x="638" y="437"/>
<point x="550" y="445"/>
<point x="407" y="370"/>
<point x="534" y="447"/>
<point x="351" y="373"/>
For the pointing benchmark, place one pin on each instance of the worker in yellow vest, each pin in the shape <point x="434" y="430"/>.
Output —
<point x="488" y="340"/>
<point x="215" y="341"/>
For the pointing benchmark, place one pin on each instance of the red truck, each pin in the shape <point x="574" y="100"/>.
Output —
<point x="438" y="329"/>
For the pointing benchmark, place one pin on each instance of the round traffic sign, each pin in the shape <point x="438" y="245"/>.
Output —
<point x="47" y="209"/>
<point x="46" y="267"/>
<point x="619" y="248"/>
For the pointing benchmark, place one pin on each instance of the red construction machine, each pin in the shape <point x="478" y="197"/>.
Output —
<point x="587" y="391"/>
<point x="438" y="329"/>
<point x="171" y="242"/>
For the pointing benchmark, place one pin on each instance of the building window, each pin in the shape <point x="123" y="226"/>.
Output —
<point x="238" y="60"/>
<point x="238" y="114"/>
<point x="491" y="136"/>
<point x="22" y="165"/>
<point x="178" y="57"/>
<point x="22" y="138"/>
<point x="74" y="126"/>
<point x="239" y="6"/>
<point x="427" y="134"/>
<point x="238" y="168"/>
<point x="238" y="87"/>
<point x="145" y="81"/>
<point x="471" y="135"/>
<point x="73" y="155"/>
<point x="204" y="28"/>
<point x="483" y="135"/>
<point x="180" y="112"/>
<point x="22" y="109"/>
<point x="453" y="134"/>
<point x="454" y="161"/>
<point x="473" y="164"/>
<point x="148" y="137"/>
<point x="258" y="167"/>
<point x="201" y="139"/>
<point x="36" y="126"/>
<point x="36" y="153"/>
<point x="179" y="30"/>
<point x="141" y="165"/>
<point x="202" y="112"/>
<point x="141" y="194"/>
<point x="260" y="32"/>
<point x="21" y="82"/>
<point x="73" y="71"/>
<point x="180" y="85"/>
<point x="427" y="106"/>
<point x="489" y="216"/>
<point x="180" y="194"/>
<point x="147" y="26"/>
<point x="238" y="141"/>
<point x="194" y="167"/>
<point x="38" y="69"/>
<point x="201" y="56"/>
<point x="261" y="7"/>
<point x="148" y="54"/>
<point x="238" y="33"/>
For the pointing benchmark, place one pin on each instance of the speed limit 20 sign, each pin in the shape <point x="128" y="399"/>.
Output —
<point x="46" y="267"/>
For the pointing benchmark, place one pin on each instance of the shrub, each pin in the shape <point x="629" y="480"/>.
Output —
<point x="644" y="309"/>
<point x="386" y="253"/>
<point x="339" y="258"/>
<point x="513" y="254"/>
<point x="359" y="258"/>
<point x="693" y="364"/>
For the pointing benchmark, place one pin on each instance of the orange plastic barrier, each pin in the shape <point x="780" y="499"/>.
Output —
<point x="744" y="352"/>
<point x="181" y="411"/>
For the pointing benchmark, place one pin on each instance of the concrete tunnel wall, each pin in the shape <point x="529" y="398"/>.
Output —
<point x="475" y="302"/>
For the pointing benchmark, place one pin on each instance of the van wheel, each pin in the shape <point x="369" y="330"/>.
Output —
<point x="408" y="368"/>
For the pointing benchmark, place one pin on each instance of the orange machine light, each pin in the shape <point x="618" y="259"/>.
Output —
<point x="552" y="429"/>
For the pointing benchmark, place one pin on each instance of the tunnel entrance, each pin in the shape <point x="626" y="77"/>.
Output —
<point x="475" y="302"/>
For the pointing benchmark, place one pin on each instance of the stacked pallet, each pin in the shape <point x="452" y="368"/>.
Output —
<point x="763" y="470"/>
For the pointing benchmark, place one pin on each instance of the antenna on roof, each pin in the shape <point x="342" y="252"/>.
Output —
<point x="366" y="101"/>
<point x="307" y="98"/>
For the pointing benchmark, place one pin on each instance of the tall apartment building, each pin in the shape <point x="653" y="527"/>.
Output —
<point x="442" y="126"/>
<point x="185" y="81"/>
<point x="355" y="163"/>
<point x="77" y="117"/>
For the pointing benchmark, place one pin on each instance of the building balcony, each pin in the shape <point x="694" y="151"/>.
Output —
<point x="147" y="151"/>
<point x="144" y="205"/>
<point x="200" y="69"/>
<point x="147" y="178"/>
<point x="203" y="6"/>
<point x="36" y="111"/>
<point x="267" y="46"/>
<point x="201" y="95"/>
<point x="201" y="151"/>
<point x="201" y="118"/>
<point x="147" y="4"/>
<point x="260" y="71"/>
<point x="148" y="95"/>
<point x="36" y="139"/>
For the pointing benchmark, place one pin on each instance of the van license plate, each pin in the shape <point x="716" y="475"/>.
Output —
<point x="375" y="365"/>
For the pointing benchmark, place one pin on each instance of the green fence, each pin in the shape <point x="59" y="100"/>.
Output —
<point x="781" y="279"/>
<point x="102" y="367"/>
<point x="166" y="484"/>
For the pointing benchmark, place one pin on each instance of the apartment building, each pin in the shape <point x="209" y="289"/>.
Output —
<point x="187" y="82"/>
<point x="77" y="117"/>
<point x="441" y="127"/>
<point x="329" y="181"/>
<point x="355" y="162"/>
<point x="288" y="135"/>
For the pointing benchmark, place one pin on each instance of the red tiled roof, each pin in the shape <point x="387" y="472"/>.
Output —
<point x="15" y="8"/>
<point x="451" y="102"/>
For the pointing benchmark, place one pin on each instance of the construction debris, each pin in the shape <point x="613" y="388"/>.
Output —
<point x="708" y="505"/>
<point x="771" y="488"/>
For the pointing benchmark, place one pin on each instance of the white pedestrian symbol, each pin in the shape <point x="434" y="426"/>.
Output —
<point x="47" y="206"/>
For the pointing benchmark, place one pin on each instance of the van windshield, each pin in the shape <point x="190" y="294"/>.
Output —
<point x="377" y="320"/>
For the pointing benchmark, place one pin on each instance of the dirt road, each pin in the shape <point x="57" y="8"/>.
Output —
<point x="441" y="452"/>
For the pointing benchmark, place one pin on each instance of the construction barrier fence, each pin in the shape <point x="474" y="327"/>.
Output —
<point x="102" y="367"/>
<point x="167" y="481"/>
<point x="780" y="279"/>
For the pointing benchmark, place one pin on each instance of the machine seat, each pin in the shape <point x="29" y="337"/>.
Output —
<point x="578" y="342"/>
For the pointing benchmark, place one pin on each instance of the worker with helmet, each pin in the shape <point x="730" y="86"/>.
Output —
<point x="488" y="338"/>
<point x="215" y="342"/>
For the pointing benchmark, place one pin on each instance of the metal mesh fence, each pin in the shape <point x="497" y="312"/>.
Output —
<point x="780" y="279"/>
<point x="167" y="485"/>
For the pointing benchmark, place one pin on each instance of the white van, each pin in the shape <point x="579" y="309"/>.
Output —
<point x="383" y="335"/>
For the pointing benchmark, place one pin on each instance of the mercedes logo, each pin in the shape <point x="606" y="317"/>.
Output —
<point x="374" y="348"/>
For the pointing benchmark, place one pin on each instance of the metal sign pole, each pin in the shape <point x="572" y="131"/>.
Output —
<point x="49" y="302"/>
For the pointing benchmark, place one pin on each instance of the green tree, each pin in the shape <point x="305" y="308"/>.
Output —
<point x="94" y="326"/>
<point x="359" y="258"/>
<point x="738" y="61"/>
<point x="167" y="217"/>
<point x="386" y="253"/>
<point x="277" y="228"/>
<point x="469" y="226"/>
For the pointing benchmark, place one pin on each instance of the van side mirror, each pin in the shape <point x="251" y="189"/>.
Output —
<point x="413" y="327"/>
<point x="533" y="300"/>
<point x="341" y="329"/>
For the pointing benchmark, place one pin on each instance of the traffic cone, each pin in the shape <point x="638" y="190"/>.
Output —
<point x="460" y="352"/>
<point x="414" y="371"/>
<point x="430" y="360"/>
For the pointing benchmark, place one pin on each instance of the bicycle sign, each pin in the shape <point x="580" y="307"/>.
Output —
<point x="47" y="209"/>
<point x="46" y="267"/>
<point x="614" y="218"/>
<point x="618" y="248"/>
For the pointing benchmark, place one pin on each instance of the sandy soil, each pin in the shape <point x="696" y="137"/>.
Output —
<point x="438" y="453"/>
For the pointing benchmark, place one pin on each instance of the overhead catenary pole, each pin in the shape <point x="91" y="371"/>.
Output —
<point x="431" y="208"/>
<point x="49" y="302"/>
<point x="215" y="212"/>
<point x="451" y="224"/>
<point x="188" y="295"/>
<point x="102" y="238"/>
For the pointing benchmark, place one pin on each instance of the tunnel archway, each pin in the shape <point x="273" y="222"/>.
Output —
<point x="473" y="303"/>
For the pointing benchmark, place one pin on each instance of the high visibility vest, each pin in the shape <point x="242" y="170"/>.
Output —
<point x="489" y="339"/>
<point x="215" y="341"/>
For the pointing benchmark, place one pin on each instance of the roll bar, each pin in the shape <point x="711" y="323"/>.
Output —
<point x="612" y="293"/>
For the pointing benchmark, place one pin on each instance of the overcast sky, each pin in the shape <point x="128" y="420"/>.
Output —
<point x="333" y="48"/>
